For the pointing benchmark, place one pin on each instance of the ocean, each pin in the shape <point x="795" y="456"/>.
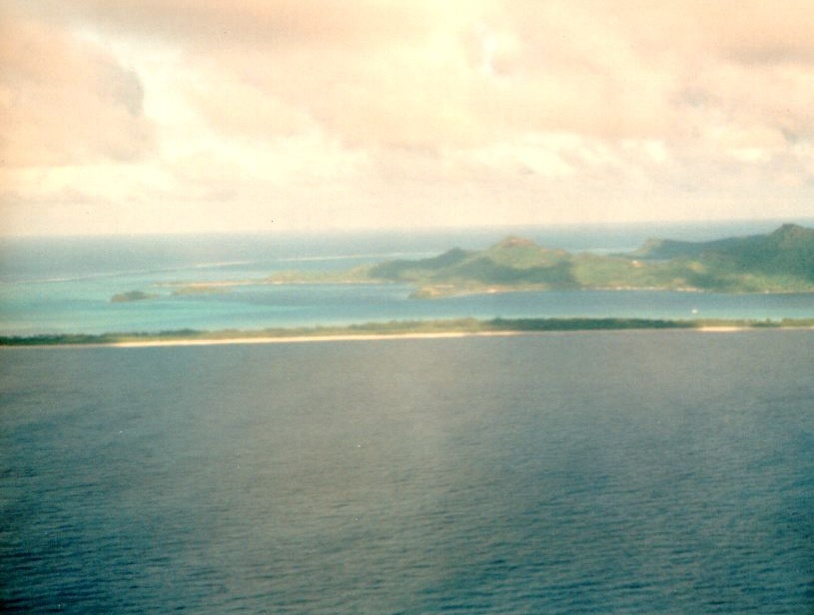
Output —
<point x="595" y="472"/>
<point x="604" y="472"/>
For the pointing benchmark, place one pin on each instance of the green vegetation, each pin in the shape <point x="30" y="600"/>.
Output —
<point x="782" y="261"/>
<point x="396" y="328"/>
<point x="512" y="263"/>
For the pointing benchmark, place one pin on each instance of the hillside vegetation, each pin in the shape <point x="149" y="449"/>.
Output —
<point x="782" y="261"/>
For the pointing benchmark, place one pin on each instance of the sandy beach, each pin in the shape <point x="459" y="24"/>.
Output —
<point x="307" y="339"/>
<point x="393" y="336"/>
<point x="359" y="337"/>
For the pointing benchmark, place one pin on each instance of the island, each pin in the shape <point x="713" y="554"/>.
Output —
<point x="778" y="262"/>
<point x="782" y="261"/>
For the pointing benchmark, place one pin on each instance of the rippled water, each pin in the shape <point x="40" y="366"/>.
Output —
<point x="563" y="473"/>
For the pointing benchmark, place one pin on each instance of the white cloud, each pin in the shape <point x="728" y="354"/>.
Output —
<point x="403" y="113"/>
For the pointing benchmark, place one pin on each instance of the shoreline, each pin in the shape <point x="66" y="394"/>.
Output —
<point x="213" y="339"/>
<point x="306" y="339"/>
<point x="309" y="339"/>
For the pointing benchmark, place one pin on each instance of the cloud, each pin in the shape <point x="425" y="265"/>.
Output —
<point x="760" y="32"/>
<point x="427" y="74"/>
<point x="66" y="101"/>
<point x="374" y="111"/>
<point x="204" y="24"/>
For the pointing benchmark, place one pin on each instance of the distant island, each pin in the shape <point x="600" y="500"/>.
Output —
<point x="778" y="262"/>
<point x="782" y="261"/>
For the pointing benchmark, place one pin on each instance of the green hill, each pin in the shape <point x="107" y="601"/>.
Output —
<point x="782" y="261"/>
<point x="510" y="263"/>
<point x="788" y="249"/>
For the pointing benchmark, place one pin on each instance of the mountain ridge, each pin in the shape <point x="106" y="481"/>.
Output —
<point x="778" y="262"/>
<point x="781" y="261"/>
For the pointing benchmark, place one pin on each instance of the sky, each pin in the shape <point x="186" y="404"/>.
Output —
<point x="165" y="116"/>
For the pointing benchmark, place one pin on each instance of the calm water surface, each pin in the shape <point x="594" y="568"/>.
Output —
<point x="658" y="472"/>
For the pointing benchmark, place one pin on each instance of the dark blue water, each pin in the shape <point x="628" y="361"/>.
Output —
<point x="65" y="285"/>
<point x="658" y="472"/>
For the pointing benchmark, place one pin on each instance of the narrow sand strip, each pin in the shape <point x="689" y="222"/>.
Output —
<point x="308" y="338"/>
<point x="360" y="337"/>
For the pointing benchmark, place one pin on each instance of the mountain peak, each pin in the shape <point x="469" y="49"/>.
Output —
<point x="791" y="235"/>
<point x="791" y="229"/>
<point x="513" y="241"/>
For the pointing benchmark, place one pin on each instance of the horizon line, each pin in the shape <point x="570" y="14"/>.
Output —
<point x="418" y="230"/>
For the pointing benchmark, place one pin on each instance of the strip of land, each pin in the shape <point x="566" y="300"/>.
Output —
<point x="396" y="330"/>
<point x="304" y="338"/>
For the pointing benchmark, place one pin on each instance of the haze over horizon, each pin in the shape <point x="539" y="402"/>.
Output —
<point x="168" y="116"/>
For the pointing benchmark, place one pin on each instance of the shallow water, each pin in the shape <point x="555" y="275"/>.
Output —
<point x="658" y="472"/>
